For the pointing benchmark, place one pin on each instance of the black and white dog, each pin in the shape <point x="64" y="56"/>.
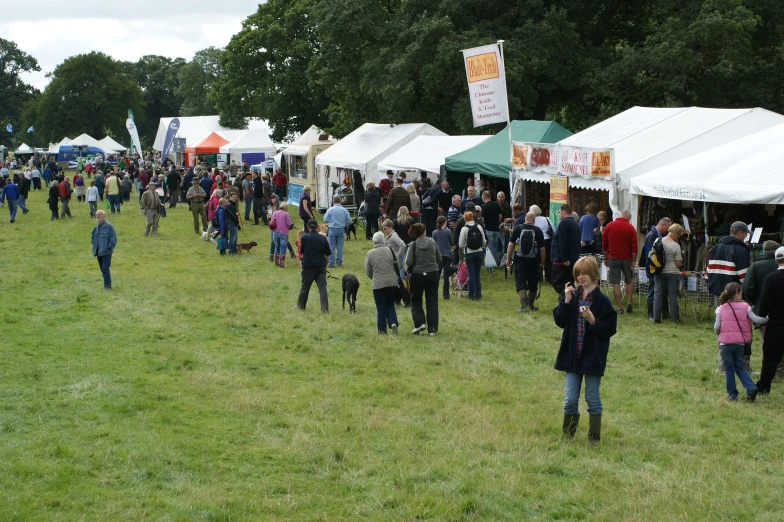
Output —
<point x="350" y="289"/>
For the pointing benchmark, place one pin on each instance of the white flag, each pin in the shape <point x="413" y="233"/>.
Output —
<point x="134" y="136"/>
<point x="486" y="84"/>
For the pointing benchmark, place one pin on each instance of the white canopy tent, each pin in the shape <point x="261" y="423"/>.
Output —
<point x="86" y="139"/>
<point x="643" y="139"/>
<point x="249" y="141"/>
<point x="24" y="148"/>
<point x="310" y="137"/>
<point x="54" y="148"/>
<point x="744" y="171"/>
<point x="427" y="153"/>
<point x="196" y="128"/>
<point x="109" y="145"/>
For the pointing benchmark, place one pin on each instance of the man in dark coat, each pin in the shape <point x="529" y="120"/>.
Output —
<point x="372" y="210"/>
<point x="315" y="252"/>
<point x="398" y="197"/>
<point x="752" y="288"/>
<point x="565" y="250"/>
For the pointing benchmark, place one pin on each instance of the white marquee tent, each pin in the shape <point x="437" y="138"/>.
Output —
<point x="54" y="148"/>
<point x="24" y="148"/>
<point x="744" y="171"/>
<point x="306" y="139"/>
<point x="643" y="139"/>
<point x="248" y="142"/>
<point x="86" y="139"/>
<point x="109" y="145"/>
<point x="196" y="128"/>
<point x="427" y="153"/>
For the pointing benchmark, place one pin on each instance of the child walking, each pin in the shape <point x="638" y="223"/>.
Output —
<point x="733" y="324"/>
<point x="92" y="198"/>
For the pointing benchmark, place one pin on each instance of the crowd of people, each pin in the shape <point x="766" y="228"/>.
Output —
<point x="423" y="234"/>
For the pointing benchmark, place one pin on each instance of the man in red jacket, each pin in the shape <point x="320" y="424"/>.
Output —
<point x="279" y="181"/>
<point x="619" y="245"/>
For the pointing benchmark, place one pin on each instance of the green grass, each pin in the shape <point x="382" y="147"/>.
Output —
<point x="194" y="391"/>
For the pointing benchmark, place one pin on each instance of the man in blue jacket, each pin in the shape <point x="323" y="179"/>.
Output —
<point x="104" y="239"/>
<point x="657" y="232"/>
<point x="565" y="250"/>
<point x="10" y="194"/>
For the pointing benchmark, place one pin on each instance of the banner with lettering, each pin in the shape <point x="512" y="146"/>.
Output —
<point x="486" y="84"/>
<point x="559" y="192"/>
<point x="171" y="132"/>
<point x="563" y="160"/>
<point x="136" y="146"/>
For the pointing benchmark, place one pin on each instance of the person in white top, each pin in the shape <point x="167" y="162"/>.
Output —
<point x="547" y="228"/>
<point x="92" y="198"/>
<point x="472" y="241"/>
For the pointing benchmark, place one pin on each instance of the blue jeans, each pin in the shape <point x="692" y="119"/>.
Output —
<point x="732" y="356"/>
<point x="12" y="208"/>
<point x="572" y="395"/>
<point x="474" y="263"/>
<point x="666" y="285"/>
<point x="21" y="203"/>
<point x="114" y="202"/>
<point x="104" y="262"/>
<point x="493" y="240"/>
<point x="336" y="238"/>
<point x="385" y="307"/>
<point x="280" y="241"/>
<point x="232" y="237"/>
<point x="248" y="206"/>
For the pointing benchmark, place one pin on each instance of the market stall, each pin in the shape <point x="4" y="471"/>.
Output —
<point x="195" y="128"/>
<point x="252" y="145"/>
<point x="490" y="159"/>
<point x="427" y="154"/>
<point x="206" y="150"/>
<point x="110" y="145"/>
<point x="361" y="151"/>
<point x="298" y="161"/>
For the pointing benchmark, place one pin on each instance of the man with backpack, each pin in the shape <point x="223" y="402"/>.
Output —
<point x="64" y="192"/>
<point x="655" y="233"/>
<point x="530" y="253"/>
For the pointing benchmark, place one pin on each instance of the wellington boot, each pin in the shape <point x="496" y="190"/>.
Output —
<point x="531" y="301"/>
<point x="570" y="423"/>
<point x="523" y="301"/>
<point x="282" y="263"/>
<point x="277" y="260"/>
<point x="595" y="428"/>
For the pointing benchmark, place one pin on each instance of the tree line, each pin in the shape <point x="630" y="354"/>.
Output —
<point x="340" y="63"/>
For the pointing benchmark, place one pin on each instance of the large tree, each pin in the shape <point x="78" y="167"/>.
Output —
<point x="158" y="78"/>
<point x="87" y="93"/>
<point x="14" y="93"/>
<point x="197" y="78"/>
<point x="266" y="70"/>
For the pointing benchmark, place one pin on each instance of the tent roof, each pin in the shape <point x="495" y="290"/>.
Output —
<point x="109" y="143"/>
<point x="24" y="148"/>
<point x="645" y="138"/>
<point x="427" y="153"/>
<point x="309" y="138"/>
<point x="492" y="157"/>
<point x="747" y="170"/>
<point x="252" y="140"/>
<point x="209" y="145"/>
<point x="363" y="148"/>
<point x="86" y="139"/>
<point x="54" y="148"/>
<point x="196" y="128"/>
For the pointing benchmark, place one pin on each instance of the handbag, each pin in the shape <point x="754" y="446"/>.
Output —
<point x="106" y="203"/>
<point x="746" y="345"/>
<point x="273" y="224"/>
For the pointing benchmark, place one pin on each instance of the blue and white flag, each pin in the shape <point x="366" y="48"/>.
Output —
<point x="30" y="129"/>
<point x="171" y="132"/>
<point x="10" y="128"/>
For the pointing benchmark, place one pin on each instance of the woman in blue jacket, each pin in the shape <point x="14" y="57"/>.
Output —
<point x="588" y="321"/>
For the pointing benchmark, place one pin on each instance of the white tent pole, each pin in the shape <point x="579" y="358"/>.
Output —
<point x="506" y="99"/>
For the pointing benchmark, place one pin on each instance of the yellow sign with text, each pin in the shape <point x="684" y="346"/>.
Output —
<point x="482" y="67"/>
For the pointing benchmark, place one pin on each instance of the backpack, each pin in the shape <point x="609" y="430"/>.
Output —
<point x="475" y="239"/>
<point x="527" y="244"/>
<point x="656" y="257"/>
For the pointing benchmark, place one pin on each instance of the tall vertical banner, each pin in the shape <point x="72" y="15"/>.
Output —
<point x="134" y="132"/>
<point x="171" y="132"/>
<point x="486" y="84"/>
<point x="559" y="192"/>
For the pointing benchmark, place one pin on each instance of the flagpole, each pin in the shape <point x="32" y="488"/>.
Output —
<point x="508" y="117"/>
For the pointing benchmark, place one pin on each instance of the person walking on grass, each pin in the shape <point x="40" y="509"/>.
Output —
<point x="54" y="200"/>
<point x="64" y="193"/>
<point x="315" y="253"/>
<point x="422" y="262"/>
<point x="280" y="234"/>
<point x="104" y="239"/>
<point x="380" y="265"/>
<point x="472" y="242"/>
<point x="752" y="288"/>
<point x="588" y="321"/>
<point x="196" y="197"/>
<point x="11" y="196"/>
<point x="232" y="215"/>
<point x="619" y="245"/>
<point x="372" y="210"/>
<point x="446" y="245"/>
<point x="771" y="305"/>
<point x="337" y="218"/>
<point x="668" y="282"/>
<point x="657" y="232"/>
<point x="151" y="210"/>
<point x="306" y="207"/>
<point x="527" y="261"/>
<point x="92" y="198"/>
<point x="565" y="250"/>
<point x="113" y="188"/>
<point x="733" y="325"/>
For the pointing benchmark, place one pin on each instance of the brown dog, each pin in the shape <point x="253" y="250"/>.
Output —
<point x="246" y="246"/>
<point x="322" y="229"/>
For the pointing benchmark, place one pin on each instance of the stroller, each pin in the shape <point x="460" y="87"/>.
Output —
<point x="459" y="281"/>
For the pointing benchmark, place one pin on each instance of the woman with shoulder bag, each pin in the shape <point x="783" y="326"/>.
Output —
<point x="381" y="268"/>
<point x="422" y="262"/>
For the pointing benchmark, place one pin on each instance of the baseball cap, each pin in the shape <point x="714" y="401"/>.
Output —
<point x="780" y="253"/>
<point x="739" y="226"/>
<point x="390" y="172"/>
<point x="471" y="206"/>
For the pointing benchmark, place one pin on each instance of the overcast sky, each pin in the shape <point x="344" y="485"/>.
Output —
<point x="53" y="30"/>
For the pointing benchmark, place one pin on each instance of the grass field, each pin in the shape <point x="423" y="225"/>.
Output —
<point x="194" y="391"/>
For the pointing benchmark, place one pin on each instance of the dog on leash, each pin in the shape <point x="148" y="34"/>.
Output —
<point x="246" y="246"/>
<point x="351" y="227"/>
<point x="350" y="289"/>
<point x="322" y="228"/>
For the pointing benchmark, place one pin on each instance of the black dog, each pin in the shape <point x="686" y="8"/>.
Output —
<point x="402" y="295"/>
<point x="350" y="289"/>
<point x="351" y="227"/>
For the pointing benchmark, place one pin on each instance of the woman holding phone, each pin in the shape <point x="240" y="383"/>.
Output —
<point x="588" y="321"/>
